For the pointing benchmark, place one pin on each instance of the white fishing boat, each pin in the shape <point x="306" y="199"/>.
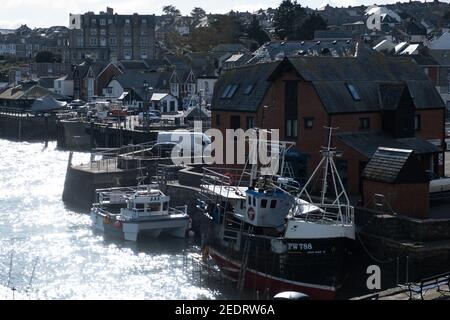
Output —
<point x="131" y="211"/>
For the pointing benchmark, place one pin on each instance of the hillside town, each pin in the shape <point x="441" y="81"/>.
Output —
<point x="359" y="94"/>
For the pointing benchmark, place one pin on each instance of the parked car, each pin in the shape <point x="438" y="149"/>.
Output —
<point x="153" y="116"/>
<point x="438" y="184"/>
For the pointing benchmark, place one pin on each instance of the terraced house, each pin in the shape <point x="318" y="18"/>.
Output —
<point x="375" y="101"/>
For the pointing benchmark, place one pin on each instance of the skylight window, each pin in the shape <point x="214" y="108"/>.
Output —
<point x="232" y="91"/>
<point x="249" y="89"/>
<point x="225" y="91"/>
<point x="351" y="88"/>
<point x="229" y="91"/>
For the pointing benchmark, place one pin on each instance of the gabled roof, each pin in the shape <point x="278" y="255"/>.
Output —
<point x="331" y="76"/>
<point x="391" y="165"/>
<point x="366" y="143"/>
<point x="250" y="77"/>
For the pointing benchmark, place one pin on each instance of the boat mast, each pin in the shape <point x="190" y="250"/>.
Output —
<point x="329" y="170"/>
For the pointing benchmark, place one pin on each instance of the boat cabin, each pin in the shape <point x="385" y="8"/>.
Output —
<point x="146" y="203"/>
<point x="265" y="208"/>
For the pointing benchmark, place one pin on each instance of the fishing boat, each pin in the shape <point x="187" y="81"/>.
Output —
<point x="272" y="237"/>
<point x="130" y="211"/>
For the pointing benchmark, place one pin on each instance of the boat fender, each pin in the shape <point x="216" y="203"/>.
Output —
<point x="190" y="223"/>
<point x="118" y="225"/>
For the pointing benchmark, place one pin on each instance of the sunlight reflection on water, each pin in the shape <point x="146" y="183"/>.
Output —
<point x="72" y="260"/>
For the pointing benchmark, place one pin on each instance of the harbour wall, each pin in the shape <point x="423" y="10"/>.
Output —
<point x="24" y="127"/>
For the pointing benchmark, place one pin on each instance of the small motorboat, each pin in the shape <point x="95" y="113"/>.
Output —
<point x="144" y="209"/>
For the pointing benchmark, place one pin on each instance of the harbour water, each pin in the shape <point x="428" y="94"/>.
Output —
<point x="50" y="251"/>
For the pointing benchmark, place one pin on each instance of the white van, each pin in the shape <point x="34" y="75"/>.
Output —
<point x="185" y="139"/>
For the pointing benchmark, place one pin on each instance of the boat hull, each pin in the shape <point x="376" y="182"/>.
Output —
<point x="175" y="225"/>
<point x="266" y="283"/>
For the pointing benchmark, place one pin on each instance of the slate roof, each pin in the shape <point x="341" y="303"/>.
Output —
<point x="390" y="165"/>
<point x="330" y="77"/>
<point x="245" y="76"/>
<point x="277" y="50"/>
<point x="372" y="75"/>
<point x="367" y="143"/>
<point x="230" y="47"/>
<point x="29" y="91"/>
<point x="134" y="64"/>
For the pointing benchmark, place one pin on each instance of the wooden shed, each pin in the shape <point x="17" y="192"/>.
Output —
<point x="397" y="177"/>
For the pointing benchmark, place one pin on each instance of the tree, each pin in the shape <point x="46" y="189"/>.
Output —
<point x="47" y="56"/>
<point x="198" y="13"/>
<point x="312" y="23"/>
<point x="255" y="32"/>
<point x="171" y="10"/>
<point x="288" y="18"/>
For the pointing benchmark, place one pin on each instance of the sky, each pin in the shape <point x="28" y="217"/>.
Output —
<point x="45" y="13"/>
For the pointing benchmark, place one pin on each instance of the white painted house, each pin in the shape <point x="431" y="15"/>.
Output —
<point x="64" y="86"/>
<point x="164" y="102"/>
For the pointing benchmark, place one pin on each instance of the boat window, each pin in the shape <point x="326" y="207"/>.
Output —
<point x="165" y="206"/>
<point x="273" y="204"/>
<point x="139" y="206"/>
<point x="263" y="203"/>
<point x="155" y="207"/>
<point x="242" y="205"/>
<point x="249" y="201"/>
<point x="254" y="201"/>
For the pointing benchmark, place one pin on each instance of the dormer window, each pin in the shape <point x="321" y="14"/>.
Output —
<point x="355" y="95"/>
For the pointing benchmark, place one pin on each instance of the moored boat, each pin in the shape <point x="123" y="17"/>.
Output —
<point x="131" y="211"/>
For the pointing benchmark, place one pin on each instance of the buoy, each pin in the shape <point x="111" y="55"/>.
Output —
<point x="191" y="233"/>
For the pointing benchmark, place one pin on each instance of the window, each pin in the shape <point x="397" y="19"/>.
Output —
<point x="165" y="206"/>
<point x="308" y="122"/>
<point x="235" y="122"/>
<point x="250" y="122"/>
<point x="364" y="123"/>
<point x="93" y="21"/>
<point x="353" y="92"/>
<point x="273" y="204"/>
<point x="103" y="22"/>
<point x="144" y="42"/>
<point x="249" y="89"/>
<point x="229" y="91"/>
<point x="232" y="91"/>
<point x="110" y="21"/>
<point x="103" y="42"/>
<point x="127" y="41"/>
<point x="291" y="128"/>
<point x="417" y="122"/>
<point x="263" y="203"/>
<point x="93" y="32"/>
<point x="254" y="201"/>
<point x="93" y="42"/>
<point x="144" y="21"/>
<point x="218" y="119"/>
<point x="225" y="91"/>
<point x="112" y="41"/>
<point x="249" y="201"/>
<point x="103" y="32"/>
<point x="127" y="21"/>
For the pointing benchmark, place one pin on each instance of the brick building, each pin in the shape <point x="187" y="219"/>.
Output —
<point x="375" y="101"/>
<point x="107" y="36"/>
